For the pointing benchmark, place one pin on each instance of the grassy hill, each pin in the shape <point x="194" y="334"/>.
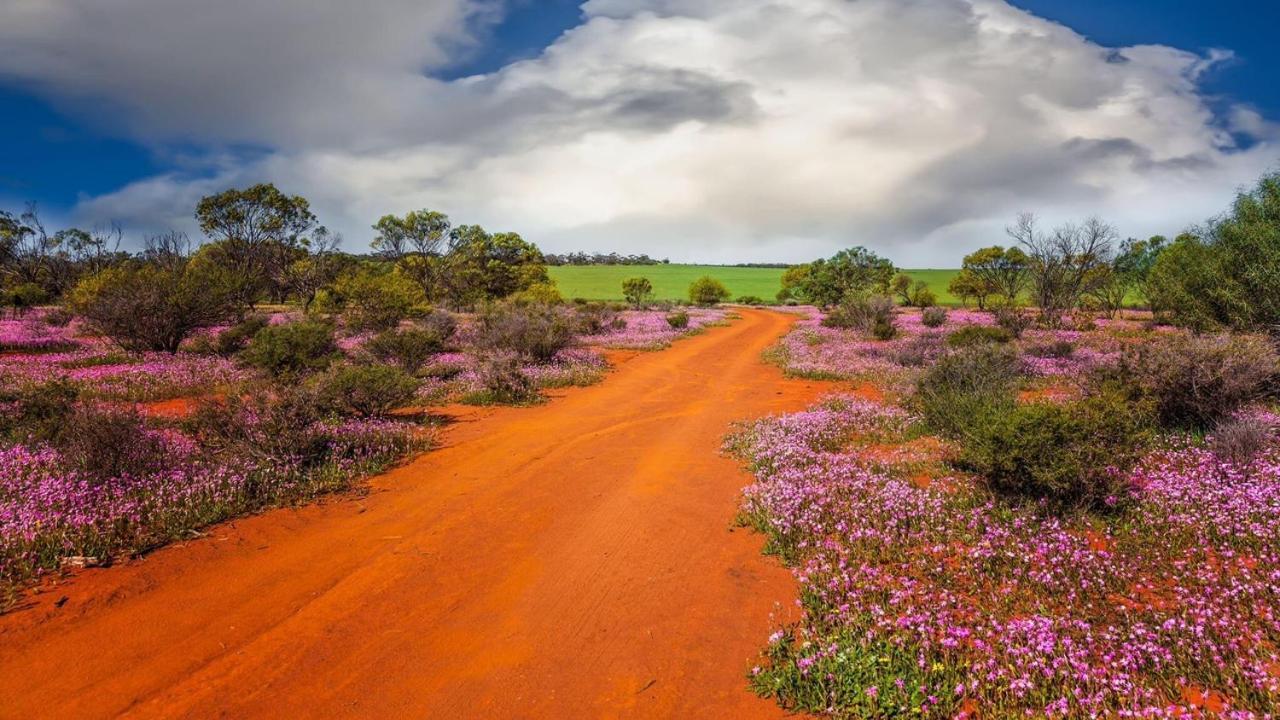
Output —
<point x="671" y="282"/>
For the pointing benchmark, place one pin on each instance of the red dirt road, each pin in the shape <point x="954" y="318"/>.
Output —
<point x="570" y="560"/>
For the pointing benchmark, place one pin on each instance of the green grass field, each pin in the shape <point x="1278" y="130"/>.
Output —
<point x="671" y="282"/>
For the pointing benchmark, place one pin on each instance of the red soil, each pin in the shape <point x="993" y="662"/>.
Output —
<point x="575" y="559"/>
<point x="1202" y="699"/>
<point x="174" y="409"/>
<point x="870" y="392"/>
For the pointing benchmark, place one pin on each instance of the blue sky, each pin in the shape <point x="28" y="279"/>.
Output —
<point x="59" y="156"/>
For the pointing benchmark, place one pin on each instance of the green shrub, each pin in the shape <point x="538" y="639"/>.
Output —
<point x="274" y="428"/>
<point x="235" y="338"/>
<point x="971" y="335"/>
<point x="156" y="306"/>
<point x="750" y="300"/>
<point x="364" y="390"/>
<point x="1073" y="456"/>
<point x="536" y="332"/>
<point x="884" y="328"/>
<point x="638" y="291"/>
<point x="919" y="351"/>
<point x="967" y="388"/>
<point x="543" y="293"/>
<point x="933" y="317"/>
<point x="37" y="412"/>
<point x="1197" y="380"/>
<point x="292" y="349"/>
<point x="24" y="296"/>
<point x="707" y="290"/>
<point x="373" y="300"/>
<point x="678" y="320"/>
<point x="407" y="348"/>
<point x="1227" y="277"/>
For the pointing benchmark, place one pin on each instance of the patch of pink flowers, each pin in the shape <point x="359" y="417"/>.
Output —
<point x="649" y="329"/>
<point x="50" y="511"/>
<point x="31" y="334"/>
<point x="949" y="604"/>
<point x="125" y="376"/>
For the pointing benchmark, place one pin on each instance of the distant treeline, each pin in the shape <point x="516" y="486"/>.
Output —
<point x="613" y="258"/>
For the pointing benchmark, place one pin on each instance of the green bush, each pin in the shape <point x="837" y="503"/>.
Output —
<point x="37" y="412"/>
<point x="933" y="317"/>
<point x="1227" y="277"/>
<point x="971" y="335"/>
<point x="967" y="388"/>
<point x="543" y="293"/>
<point x="638" y="291"/>
<point x="373" y="300"/>
<point x="884" y="328"/>
<point x="24" y="296"/>
<point x="1197" y="380"/>
<point x="364" y="390"/>
<point x="1072" y="456"/>
<point x="1055" y="349"/>
<point x="750" y="300"/>
<point x="237" y="337"/>
<point x="919" y="351"/>
<point x="407" y="348"/>
<point x="707" y="290"/>
<point x="678" y="320"/>
<point x="156" y="306"/>
<point x="536" y="332"/>
<point x="292" y="349"/>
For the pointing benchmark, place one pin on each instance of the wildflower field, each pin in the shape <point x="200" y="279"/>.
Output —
<point x="927" y="590"/>
<point x="106" y="452"/>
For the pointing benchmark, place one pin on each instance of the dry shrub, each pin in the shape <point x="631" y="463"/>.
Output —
<point x="1197" y="380"/>
<point x="536" y="332"/>
<point x="108" y="443"/>
<point x="503" y="380"/>
<point x="933" y="317"/>
<point x="1242" y="438"/>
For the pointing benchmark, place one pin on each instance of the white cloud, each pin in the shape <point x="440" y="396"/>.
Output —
<point x="700" y="129"/>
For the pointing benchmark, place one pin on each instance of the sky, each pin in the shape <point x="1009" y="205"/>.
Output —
<point x="700" y="130"/>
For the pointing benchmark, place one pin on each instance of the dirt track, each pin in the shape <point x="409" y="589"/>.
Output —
<point x="570" y="560"/>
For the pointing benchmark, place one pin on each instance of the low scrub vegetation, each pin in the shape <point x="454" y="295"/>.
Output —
<point x="1072" y="521"/>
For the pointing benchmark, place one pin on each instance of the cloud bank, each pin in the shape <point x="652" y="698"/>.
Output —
<point x="718" y="130"/>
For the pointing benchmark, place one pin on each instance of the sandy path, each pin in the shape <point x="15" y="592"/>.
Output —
<point x="570" y="560"/>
